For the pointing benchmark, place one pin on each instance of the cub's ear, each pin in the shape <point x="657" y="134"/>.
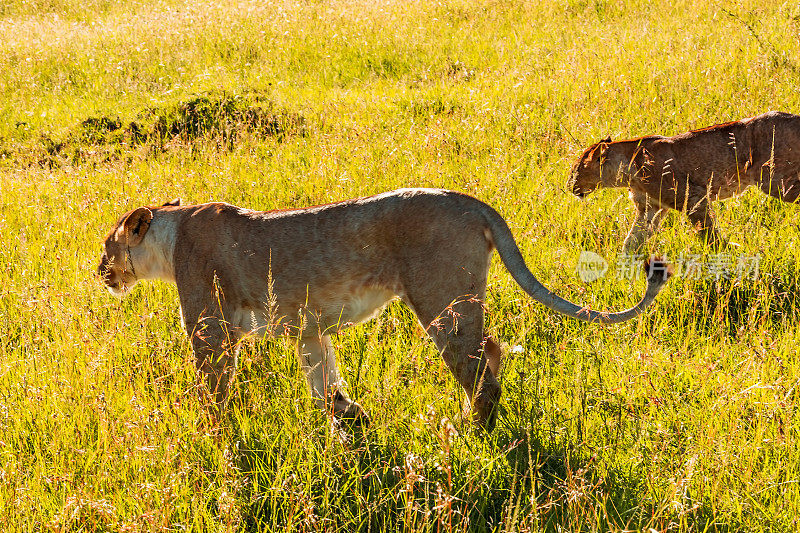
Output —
<point x="134" y="227"/>
<point x="173" y="203"/>
<point x="606" y="140"/>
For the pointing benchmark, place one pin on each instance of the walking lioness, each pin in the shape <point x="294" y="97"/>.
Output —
<point x="310" y="272"/>
<point x="686" y="172"/>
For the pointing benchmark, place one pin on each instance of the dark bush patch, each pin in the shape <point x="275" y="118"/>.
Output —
<point x="217" y="118"/>
<point x="223" y="116"/>
<point x="96" y="130"/>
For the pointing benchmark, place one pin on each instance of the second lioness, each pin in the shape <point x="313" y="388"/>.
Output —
<point x="686" y="172"/>
<point x="310" y="272"/>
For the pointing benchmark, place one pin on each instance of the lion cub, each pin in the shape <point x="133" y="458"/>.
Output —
<point x="686" y="172"/>
<point x="311" y="272"/>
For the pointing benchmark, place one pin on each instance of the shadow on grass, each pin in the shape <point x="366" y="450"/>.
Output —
<point x="731" y="306"/>
<point x="511" y="482"/>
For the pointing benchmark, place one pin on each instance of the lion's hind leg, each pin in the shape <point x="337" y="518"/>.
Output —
<point x="702" y="218"/>
<point x="786" y="189"/>
<point x="457" y="329"/>
<point x="493" y="354"/>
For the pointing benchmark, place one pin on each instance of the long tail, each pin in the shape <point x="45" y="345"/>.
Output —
<point x="657" y="271"/>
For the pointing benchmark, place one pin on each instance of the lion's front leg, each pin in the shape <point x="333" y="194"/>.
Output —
<point x="648" y="219"/>
<point x="215" y="346"/>
<point x="317" y="358"/>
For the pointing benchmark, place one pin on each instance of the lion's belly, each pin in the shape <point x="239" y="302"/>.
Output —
<point x="356" y="305"/>
<point x="331" y="310"/>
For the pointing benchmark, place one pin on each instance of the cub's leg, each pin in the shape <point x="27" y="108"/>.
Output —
<point x="318" y="360"/>
<point x="648" y="219"/>
<point x="787" y="189"/>
<point x="457" y="330"/>
<point x="215" y="346"/>
<point x="702" y="218"/>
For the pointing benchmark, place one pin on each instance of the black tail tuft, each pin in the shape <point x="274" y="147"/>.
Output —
<point x="655" y="267"/>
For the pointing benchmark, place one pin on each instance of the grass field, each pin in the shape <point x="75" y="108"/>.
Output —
<point x="680" y="420"/>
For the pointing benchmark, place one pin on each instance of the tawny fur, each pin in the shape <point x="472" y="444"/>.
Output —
<point x="311" y="272"/>
<point x="688" y="171"/>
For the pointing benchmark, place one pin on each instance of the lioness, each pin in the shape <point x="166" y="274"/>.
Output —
<point x="313" y="271"/>
<point x="686" y="172"/>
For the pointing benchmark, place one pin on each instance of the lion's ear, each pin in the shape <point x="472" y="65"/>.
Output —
<point x="606" y="140"/>
<point x="135" y="226"/>
<point x="173" y="203"/>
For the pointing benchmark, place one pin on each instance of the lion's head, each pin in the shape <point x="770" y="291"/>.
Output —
<point x="118" y="268"/>
<point x="587" y="173"/>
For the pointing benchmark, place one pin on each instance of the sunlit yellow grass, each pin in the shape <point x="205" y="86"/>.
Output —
<point x="682" y="419"/>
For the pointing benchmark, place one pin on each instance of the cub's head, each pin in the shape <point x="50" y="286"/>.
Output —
<point x="586" y="175"/>
<point x="117" y="268"/>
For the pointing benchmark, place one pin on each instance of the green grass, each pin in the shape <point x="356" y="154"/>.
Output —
<point x="680" y="420"/>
